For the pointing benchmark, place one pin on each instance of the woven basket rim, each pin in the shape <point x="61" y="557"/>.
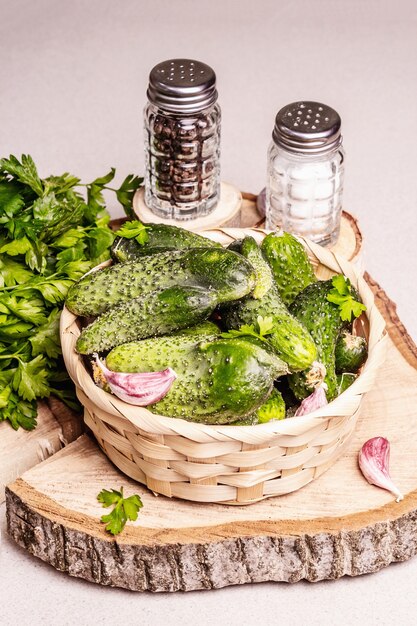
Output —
<point x="179" y="426"/>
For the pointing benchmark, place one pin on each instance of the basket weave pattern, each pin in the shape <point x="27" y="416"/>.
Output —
<point x="228" y="464"/>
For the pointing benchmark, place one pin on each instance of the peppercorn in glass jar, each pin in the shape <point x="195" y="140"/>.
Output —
<point x="305" y="172"/>
<point x="182" y="140"/>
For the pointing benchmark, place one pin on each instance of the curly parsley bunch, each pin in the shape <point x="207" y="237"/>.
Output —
<point x="50" y="235"/>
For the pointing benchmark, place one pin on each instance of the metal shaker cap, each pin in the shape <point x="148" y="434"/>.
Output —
<point x="182" y="86"/>
<point x="310" y="127"/>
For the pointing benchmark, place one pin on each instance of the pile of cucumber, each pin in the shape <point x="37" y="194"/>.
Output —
<point x="181" y="301"/>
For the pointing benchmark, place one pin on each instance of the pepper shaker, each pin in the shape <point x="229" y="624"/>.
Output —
<point x="182" y="140"/>
<point x="305" y="172"/>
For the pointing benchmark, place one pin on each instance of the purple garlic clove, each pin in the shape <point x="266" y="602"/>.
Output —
<point x="314" y="401"/>
<point x="140" y="389"/>
<point x="374" y="464"/>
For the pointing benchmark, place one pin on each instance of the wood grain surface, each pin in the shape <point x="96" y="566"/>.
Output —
<point x="22" y="449"/>
<point x="339" y="525"/>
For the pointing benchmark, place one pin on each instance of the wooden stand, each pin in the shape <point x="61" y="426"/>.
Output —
<point x="226" y="213"/>
<point x="338" y="525"/>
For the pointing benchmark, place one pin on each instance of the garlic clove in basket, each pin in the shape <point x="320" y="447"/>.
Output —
<point x="141" y="389"/>
<point x="374" y="464"/>
<point x="314" y="401"/>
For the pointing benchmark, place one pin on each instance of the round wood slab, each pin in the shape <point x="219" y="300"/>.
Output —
<point x="335" y="526"/>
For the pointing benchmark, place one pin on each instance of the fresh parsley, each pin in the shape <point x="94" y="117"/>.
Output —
<point x="123" y="509"/>
<point x="342" y="295"/>
<point x="264" y="326"/>
<point x="52" y="231"/>
<point x="134" y="230"/>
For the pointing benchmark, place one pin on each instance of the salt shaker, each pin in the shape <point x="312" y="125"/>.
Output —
<point x="305" y="172"/>
<point x="182" y="140"/>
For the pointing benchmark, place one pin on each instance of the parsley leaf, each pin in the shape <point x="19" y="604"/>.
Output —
<point x="30" y="379"/>
<point x="19" y="412"/>
<point x="124" y="509"/>
<point x="100" y="239"/>
<point x="12" y="272"/>
<point x="95" y="198"/>
<point x="60" y="184"/>
<point x="70" y="238"/>
<point x="11" y="199"/>
<point x="126" y="192"/>
<point x="264" y="326"/>
<point x="134" y="230"/>
<point x="342" y="296"/>
<point x="46" y="337"/>
<point x="27" y="310"/>
<point x="17" y="246"/>
<point x="24" y="171"/>
<point x="54" y="290"/>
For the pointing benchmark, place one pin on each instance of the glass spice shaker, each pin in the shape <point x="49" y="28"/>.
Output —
<point x="305" y="172"/>
<point x="182" y="140"/>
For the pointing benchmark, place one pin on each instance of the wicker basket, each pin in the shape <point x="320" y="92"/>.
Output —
<point x="228" y="464"/>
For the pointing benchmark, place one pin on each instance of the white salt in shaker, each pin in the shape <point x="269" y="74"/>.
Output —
<point x="305" y="172"/>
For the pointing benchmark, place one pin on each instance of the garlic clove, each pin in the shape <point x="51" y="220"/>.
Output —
<point x="140" y="389"/>
<point x="374" y="464"/>
<point x="314" y="401"/>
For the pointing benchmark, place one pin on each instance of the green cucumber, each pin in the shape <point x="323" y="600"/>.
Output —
<point x="322" y="319"/>
<point x="204" y="328"/>
<point x="290" y="340"/>
<point x="344" y="381"/>
<point x="272" y="409"/>
<point x="218" y="380"/>
<point x="351" y="353"/>
<point x="250" y="250"/>
<point x="290" y="264"/>
<point x="222" y="271"/>
<point x="158" y="313"/>
<point x="161" y="237"/>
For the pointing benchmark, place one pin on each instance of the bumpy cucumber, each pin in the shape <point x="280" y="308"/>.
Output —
<point x="290" y="264"/>
<point x="222" y="271"/>
<point x="251" y="251"/>
<point x="156" y="314"/>
<point x="161" y="237"/>
<point x="344" y="381"/>
<point x="272" y="409"/>
<point x="204" y="328"/>
<point x="291" y="341"/>
<point x="248" y="248"/>
<point x="351" y="353"/>
<point x="218" y="380"/>
<point x="322" y="319"/>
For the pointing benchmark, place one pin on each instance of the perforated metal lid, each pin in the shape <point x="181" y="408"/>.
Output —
<point x="182" y="85"/>
<point x="309" y="127"/>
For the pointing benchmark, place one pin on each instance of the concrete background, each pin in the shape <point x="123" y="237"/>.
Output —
<point x="72" y="87"/>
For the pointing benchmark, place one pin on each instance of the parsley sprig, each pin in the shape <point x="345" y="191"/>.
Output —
<point x="342" y="295"/>
<point x="51" y="233"/>
<point x="134" y="230"/>
<point x="264" y="326"/>
<point x="123" y="509"/>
